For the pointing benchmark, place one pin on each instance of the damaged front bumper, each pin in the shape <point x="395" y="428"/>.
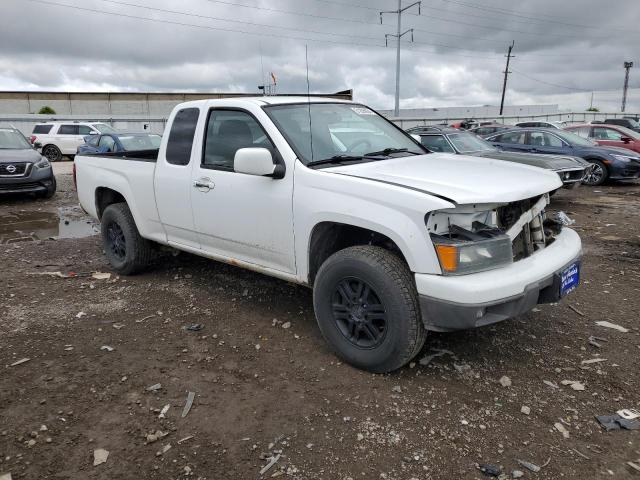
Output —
<point x="461" y="302"/>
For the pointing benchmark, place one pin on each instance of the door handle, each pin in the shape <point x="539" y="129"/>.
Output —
<point x="204" y="183"/>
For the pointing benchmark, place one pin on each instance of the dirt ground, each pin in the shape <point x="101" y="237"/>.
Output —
<point x="266" y="384"/>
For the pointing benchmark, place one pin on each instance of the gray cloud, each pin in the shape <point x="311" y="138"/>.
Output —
<point x="580" y="45"/>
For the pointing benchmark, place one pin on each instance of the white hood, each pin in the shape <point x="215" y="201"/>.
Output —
<point x="463" y="179"/>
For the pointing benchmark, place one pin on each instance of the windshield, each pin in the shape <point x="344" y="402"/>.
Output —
<point x="467" y="142"/>
<point x="139" y="142"/>
<point x="339" y="129"/>
<point x="12" y="140"/>
<point x="573" y="139"/>
<point x="104" y="128"/>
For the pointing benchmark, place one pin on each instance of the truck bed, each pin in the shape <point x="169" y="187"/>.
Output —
<point x="137" y="155"/>
<point x="133" y="179"/>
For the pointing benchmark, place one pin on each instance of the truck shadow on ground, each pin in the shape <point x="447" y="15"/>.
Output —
<point x="513" y="341"/>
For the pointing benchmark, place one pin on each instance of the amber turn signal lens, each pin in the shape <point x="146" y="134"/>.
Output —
<point x="448" y="256"/>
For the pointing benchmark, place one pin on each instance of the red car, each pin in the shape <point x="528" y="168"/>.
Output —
<point x="608" y="135"/>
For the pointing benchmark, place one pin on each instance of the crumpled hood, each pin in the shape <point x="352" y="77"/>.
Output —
<point x="551" y="162"/>
<point x="19" y="155"/>
<point x="459" y="178"/>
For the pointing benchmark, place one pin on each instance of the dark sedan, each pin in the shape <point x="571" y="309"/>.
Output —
<point x="119" y="142"/>
<point x="23" y="169"/>
<point x="608" y="162"/>
<point x="571" y="170"/>
<point x="485" y="130"/>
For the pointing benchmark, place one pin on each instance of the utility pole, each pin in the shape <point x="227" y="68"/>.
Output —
<point x="506" y="74"/>
<point x="627" y="67"/>
<point x="398" y="35"/>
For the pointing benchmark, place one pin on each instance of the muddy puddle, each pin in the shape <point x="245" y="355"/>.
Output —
<point x="31" y="226"/>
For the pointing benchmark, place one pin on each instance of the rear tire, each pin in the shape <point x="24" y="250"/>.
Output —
<point x="127" y="252"/>
<point x="598" y="175"/>
<point x="52" y="153"/>
<point x="367" y="308"/>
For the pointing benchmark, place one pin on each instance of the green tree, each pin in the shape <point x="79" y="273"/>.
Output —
<point x="593" y="109"/>
<point x="47" y="110"/>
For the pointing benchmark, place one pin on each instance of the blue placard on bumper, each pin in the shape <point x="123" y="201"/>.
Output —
<point x="569" y="279"/>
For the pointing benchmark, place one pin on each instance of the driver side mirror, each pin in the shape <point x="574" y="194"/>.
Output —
<point x="626" y="139"/>
<point x="256" y="161"/>
<point x="37" y="145"/>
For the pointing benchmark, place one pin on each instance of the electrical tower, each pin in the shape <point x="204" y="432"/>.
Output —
<point x="398" y="35"/>
<point x="627" y="67"/>
<point x="506" y="74"/>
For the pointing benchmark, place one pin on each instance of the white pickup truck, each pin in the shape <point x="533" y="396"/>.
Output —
<point x="394" y="240"/>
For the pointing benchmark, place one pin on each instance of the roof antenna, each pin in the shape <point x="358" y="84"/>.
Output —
<point x="306" y="59"/>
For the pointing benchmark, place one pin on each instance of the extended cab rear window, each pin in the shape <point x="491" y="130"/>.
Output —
<point x="42" y="128"/>
<point x="181" y="136"/>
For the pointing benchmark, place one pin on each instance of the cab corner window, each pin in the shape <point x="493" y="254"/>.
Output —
<point x="180" y="142"/>
<point x="227" y="132"/>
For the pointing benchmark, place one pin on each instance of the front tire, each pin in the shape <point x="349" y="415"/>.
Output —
<point x="51" y="190"/>
<point x="367" y="308"/>
<point x="52" y="153"/>
<point x="127" y="252"/>
<point x="598" y="175"/>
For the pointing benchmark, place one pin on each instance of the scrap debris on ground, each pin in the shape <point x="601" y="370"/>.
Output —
<point x="524" y="398"/>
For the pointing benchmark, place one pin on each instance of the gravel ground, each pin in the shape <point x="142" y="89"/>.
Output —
<point x="266" y="385"/>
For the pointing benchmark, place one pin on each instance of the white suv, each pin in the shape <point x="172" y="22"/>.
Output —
<point x="63" y="138"/>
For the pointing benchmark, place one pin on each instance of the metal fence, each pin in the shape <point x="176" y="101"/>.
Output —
<point x="25" y="122"/>
<point x="569" y="117"/>
<point x="131" y="124"/>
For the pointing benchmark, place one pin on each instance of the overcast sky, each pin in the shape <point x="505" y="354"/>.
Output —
<point x="564" y="49"/>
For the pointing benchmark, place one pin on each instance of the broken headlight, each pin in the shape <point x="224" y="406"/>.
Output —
<point x="462" y="252"/>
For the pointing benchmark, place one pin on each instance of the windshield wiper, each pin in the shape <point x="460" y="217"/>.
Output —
<point x="336" y="159"/>
<point x="389" y="151"/>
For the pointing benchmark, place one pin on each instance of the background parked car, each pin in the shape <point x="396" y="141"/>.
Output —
<point x="609" y="135"/>
<point x="63" y="138"/>
<point x="22" y="168"/>
<point x="571" y="170"/>
<point x="119" y="142"/>
<point x="484" y="130"/>
<point x="608" y="162"/>
<point x="541" y="124"/>
<point x="624" y="122"/>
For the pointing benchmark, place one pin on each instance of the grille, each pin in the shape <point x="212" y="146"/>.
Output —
<point x="13" y="169"/>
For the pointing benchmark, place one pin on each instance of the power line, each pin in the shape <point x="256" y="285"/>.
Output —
<point x="196" y="15"/>
<point x="231" y="30"/>
<point x="289" y="12"/>
<point x="549" y="83"/>
<point x="208" y="17"/>
<point x="512" y="13"/>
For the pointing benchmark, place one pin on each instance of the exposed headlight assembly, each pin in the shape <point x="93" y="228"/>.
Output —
<point x="460" y="257"/>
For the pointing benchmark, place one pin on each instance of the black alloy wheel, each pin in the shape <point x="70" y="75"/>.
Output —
<point x="359" y="314"/>
<point x="116" y="241"/>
